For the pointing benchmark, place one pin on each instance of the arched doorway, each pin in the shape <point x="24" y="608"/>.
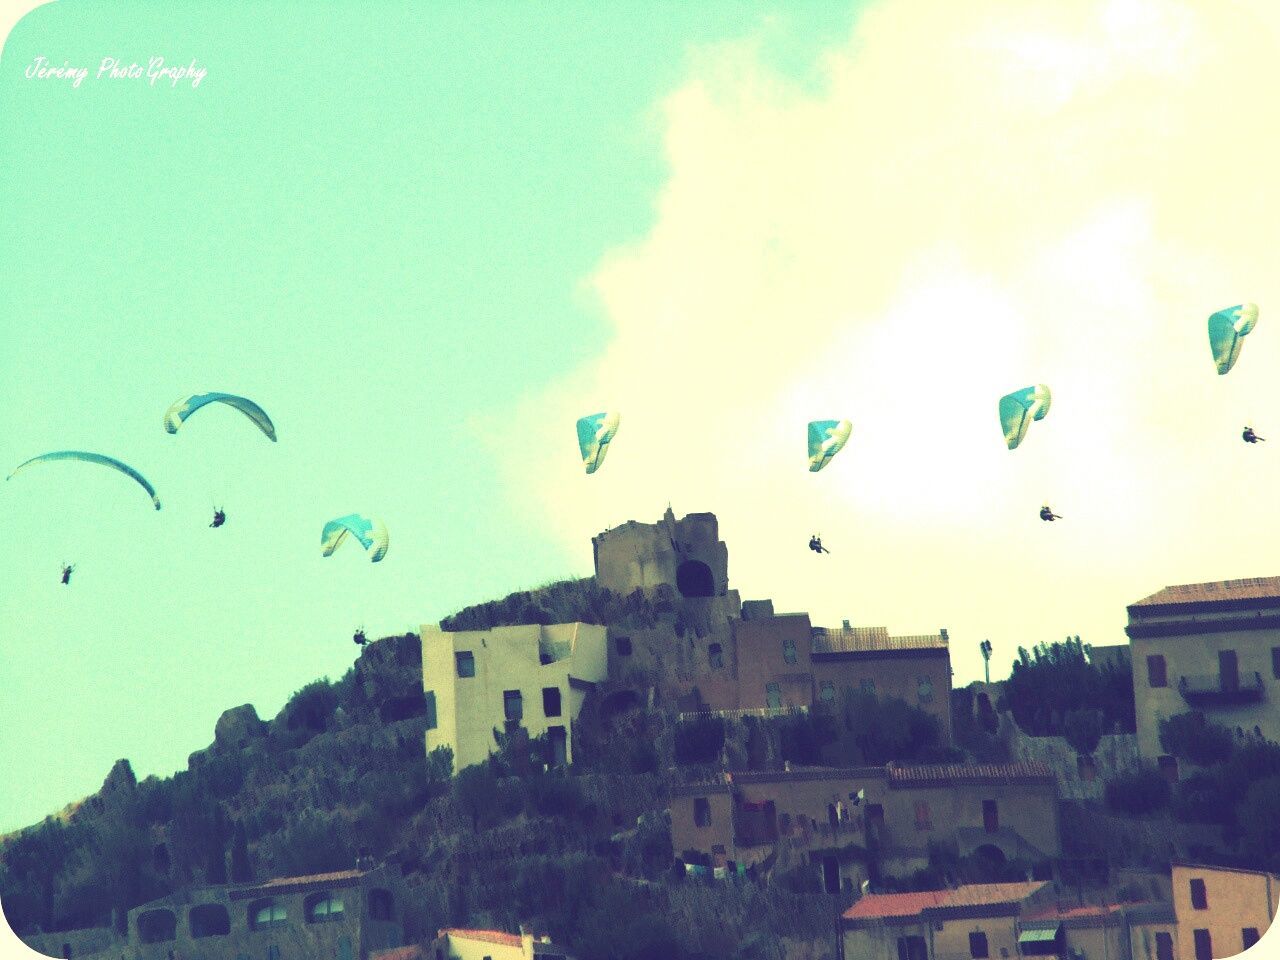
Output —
<point x="694" y="579"/>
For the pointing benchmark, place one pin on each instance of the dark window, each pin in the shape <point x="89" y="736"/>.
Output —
<point x="1275" y="662"/>
<point x="875" y="813"/>
<point x="1228" y="670"/>
<point x="789" y="650"/>
<point x="1199" y="899"/>
<point x="868" y="686"/>
<point x="559" y="740"/>
<point x="1086" y="768"/>
<point x="430" y="699"/>
<point x="831" y="874"/>
<point x="623" y="646"/>
<point x="912" y="948"/>
<point x="551" y="701"/>
<point x="209" y="920"/>
<point x="265" y="914"/>
<point x="324" y="907"/>
<point x="693" y="579"/>
<point x="716" y="656"/>
<point x="513" y="705"/>
<point x="978" y="945"/>
<point x="380" y="905"/>
<point x="1156" y="676"/>
<point x="773" y="695"/>
<point x="702" y="812"/>
<point x="1164" y="946"/>
<point x="157" y="926"/>
<point x="922" y="816"/>
<point x="273" y="952"/>
<point x="1204" y="945"/>
<point x="466" y="663"/>
<point x="66" y="951"/>
<point x="990" y="816"/>
<point x="1249" y="936"/>
<point x="828" y="692"/>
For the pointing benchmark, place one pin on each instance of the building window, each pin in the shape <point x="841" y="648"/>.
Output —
<point x="1199" y="899"/>
<point x="551" y="701"/>
<point x="1164" y="946"/>
<point x="912" y="948"/>
<point x="380" y="905"/>
<point x="66" y="951"/>
<point x="265" y="914"/>
<point x="1249" y="936"/>
<point x="344" y="948"/>
<point x="1086" y="768"/>
<point x="209" y="920"/>
<point x="623" y="646"/>
<point x="1156" y="675"/>
<point x="430" y="699"/>
<point x="924" y="689"/>
<point x="716" y="655"/>
<point x="466" y="663"/>
<point x="273" y="952"/>
<point x="828" y="693"/>
<point x="773" y="695"/>
<point x="922" y="816"/>
<point x="868" y="686"/>
<point x="323" y="907"/>
<point x="702" y="812"/>
<point x="718" y="849"/>
<point x="978" y="945"/>
<point x="990" y="816"/>
<point x="512" y="705"/>
<point x="1204" y="945"/>
<point x="789" y="650"/>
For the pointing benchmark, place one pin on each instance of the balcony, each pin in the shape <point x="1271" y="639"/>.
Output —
<point x="1215" y="690"/>
<point x="686" y="715"/>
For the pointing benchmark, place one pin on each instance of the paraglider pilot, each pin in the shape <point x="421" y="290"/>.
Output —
<point x="815" y="544"/>
<point x="66" y="572"/>
<point x="1251" y="437"/>
<point x="1047" y="514"/>
<point x="219" y="518"/>
<point x="359" y="637"/>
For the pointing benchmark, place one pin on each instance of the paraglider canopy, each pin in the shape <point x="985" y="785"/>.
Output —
<point x="371" y="533"/>
<point x="826" y="439"/>
<point x="595" y="432"/>
<point x="1019" y="408"/>
<point x="177" y="414"/>
<point x="1227" y="330"/>
<point x="98" y="458"/>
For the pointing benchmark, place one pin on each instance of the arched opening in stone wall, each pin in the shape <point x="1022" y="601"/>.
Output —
<point x="157" y="926"/>
<point x="694" y="579"/>
<point x="209" y="920"/>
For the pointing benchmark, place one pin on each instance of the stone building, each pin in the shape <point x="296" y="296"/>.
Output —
<point x="534" y="676"/>
<point x="494" y="945"/>
<point x="1208" y="647"/>
<point x="1005" y="920"/>
<point x="343" y="916"/>
<point x="825" y="817"/>
<point x="1220" y="911"/>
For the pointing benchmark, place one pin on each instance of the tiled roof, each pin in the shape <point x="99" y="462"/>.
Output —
<point x="877" y="905"/>
<point x="1251" y="588"/>
<point x="412" y="952"/>
<point x="871" y="639"/>
<point x="945" y="774"/>
<point x="296" y="884"/>
<point x="1080" y="911"/>
<point x="485" y="936"/>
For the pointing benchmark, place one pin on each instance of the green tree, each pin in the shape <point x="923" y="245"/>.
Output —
<point x="1054" y="679"/>
<point x="1189" y="736"/>
<point x="1259" y="817"/>
<point x="475" y="790"/>
<point x="241" y="870"/>
<point x="1137" y="793"/>
<point x="1083" y="729"/>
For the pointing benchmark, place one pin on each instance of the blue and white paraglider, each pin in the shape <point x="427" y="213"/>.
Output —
<point x="371" y="533"/>
<point x="595" y="433"/>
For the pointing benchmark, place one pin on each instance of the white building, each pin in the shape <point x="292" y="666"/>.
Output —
<point x="534" y="676"/>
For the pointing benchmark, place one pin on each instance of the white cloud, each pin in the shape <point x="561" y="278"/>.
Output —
<point x="982" y="196"/>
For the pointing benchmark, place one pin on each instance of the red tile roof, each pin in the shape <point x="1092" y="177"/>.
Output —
<point x="314" y="878"/>
<point x="1251" y="588"/>
<point x="412" y="952"/>
<point x="871" y="639"/>
<point x="945" y="774"/>
<point x="1087" y="910"/>
<point x="877" y="905"/>
<point x="485" y="936"/>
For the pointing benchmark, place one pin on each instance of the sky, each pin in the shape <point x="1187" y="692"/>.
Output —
<point x="427" y="238"/>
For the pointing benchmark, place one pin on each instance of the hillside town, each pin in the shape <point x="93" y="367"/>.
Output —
<point x="1110" y="802"/>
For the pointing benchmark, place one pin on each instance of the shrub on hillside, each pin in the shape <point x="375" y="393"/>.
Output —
<point x="699" y="741"/>
<point x="1143" y="791"/>
<point x="1189" y="736"/>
